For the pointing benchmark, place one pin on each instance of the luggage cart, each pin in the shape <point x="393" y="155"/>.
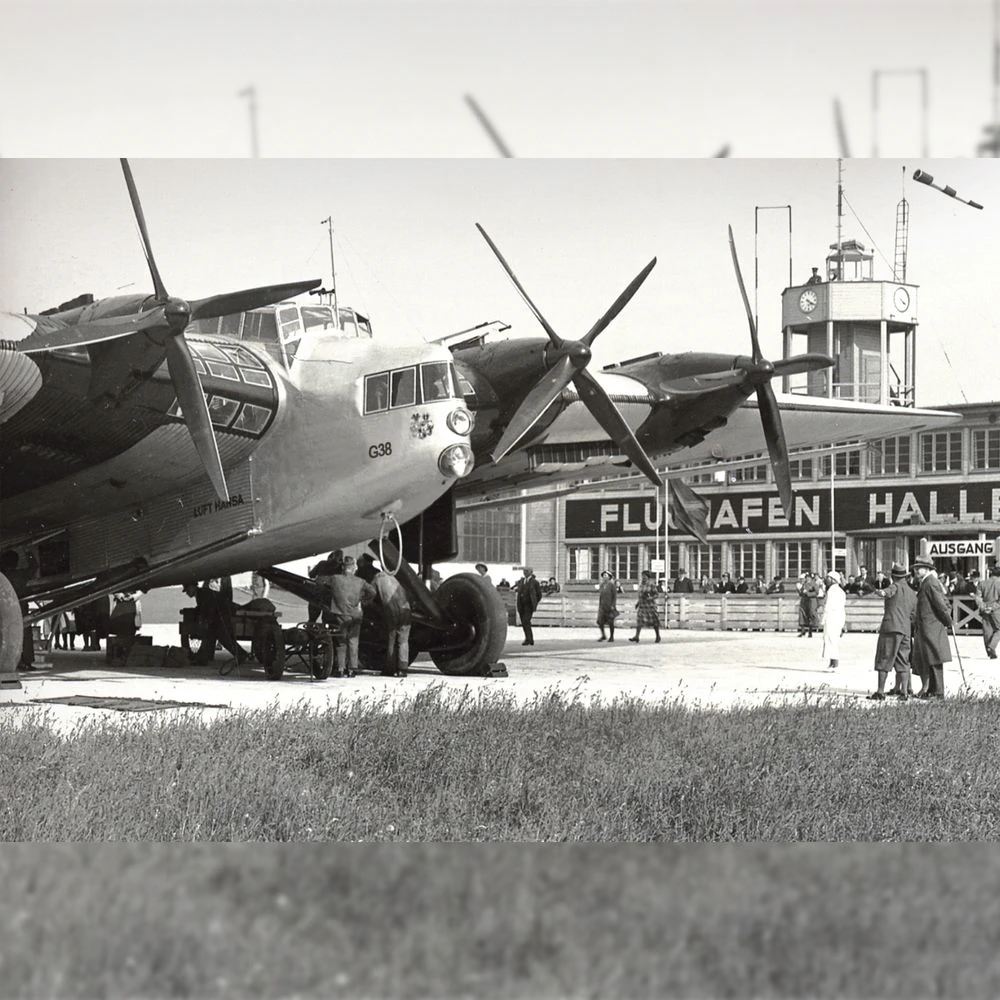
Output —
<point x="311" y="645"/>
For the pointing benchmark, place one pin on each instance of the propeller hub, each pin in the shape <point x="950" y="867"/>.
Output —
<point x="177" y="313"/>
<point x="579" y="353"/>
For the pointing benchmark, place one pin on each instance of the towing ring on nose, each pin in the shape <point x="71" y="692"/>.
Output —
<point x="387" y="523"/>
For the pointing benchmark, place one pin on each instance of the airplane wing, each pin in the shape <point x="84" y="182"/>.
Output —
<point x="574" y="449"/>
<point x="812" y="421"/>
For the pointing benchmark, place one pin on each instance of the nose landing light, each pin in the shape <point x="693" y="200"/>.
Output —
<point x="460" y="421"/>
<point x="456" y="461"/>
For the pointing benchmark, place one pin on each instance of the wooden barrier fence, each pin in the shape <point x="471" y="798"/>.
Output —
<point x="724" y="612"/>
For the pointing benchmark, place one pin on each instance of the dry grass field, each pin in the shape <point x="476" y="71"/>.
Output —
<point x="465" y="920"/>
<point x="308" y="890"/>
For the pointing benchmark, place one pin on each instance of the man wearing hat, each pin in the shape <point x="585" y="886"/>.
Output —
<point x="930" y="633"/>
<point x="529" y="593"/>
<point x="988" y="602"/>
<point x="607" y="606"/>
<point x="834" y="618"/>
<point x="484" y="572"/>
<point x="892" y="652"/>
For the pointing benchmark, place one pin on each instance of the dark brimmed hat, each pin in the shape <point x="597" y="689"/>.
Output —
<point x="607" y="573"/>
<point x="898" y="571"/>
<point x="482" y="566"/>
<point x="924" y="562"/>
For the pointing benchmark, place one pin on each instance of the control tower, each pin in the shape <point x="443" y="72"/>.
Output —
<point x="868" y="327"/>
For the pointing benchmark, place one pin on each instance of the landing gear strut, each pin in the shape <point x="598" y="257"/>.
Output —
<point x="462" y="625"/>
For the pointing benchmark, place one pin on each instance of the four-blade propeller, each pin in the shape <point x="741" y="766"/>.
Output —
<point x="164" y="322"/>
<point x="567" y="362"/>
<point x="770" y="415"/>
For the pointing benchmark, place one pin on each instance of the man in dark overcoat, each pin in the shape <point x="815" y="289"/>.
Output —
<point x="892" y="651"/>
<point x="529" y="593"/>
<point x="930" y="633"/>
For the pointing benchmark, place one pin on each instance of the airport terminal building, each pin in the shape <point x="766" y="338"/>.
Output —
<point x="857" y="503"/>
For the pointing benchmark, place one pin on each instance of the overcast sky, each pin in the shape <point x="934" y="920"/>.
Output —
<point x="558" y="77"/>
<point x="575" y="231"/>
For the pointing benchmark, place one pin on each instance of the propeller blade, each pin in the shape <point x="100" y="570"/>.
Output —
<point x="502" y="147"/>
<point x="45" y="337"/>
<point x="802" y="363"/>
<point x="618" y="305"/>
<point x="553" y="336"/>
<point x="690" y="511"/>
<point x="195" y="409"/>
<point x="147" y="249"/>
<point x="251" y="298"/>
<point x="606" y="414"/>
<point x="534" y="405"/>
<point x="757" y="354"/>
<point x="774" y="435"/>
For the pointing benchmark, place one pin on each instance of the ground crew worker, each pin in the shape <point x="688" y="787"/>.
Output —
<point x="347" y="591"/>
<point x="396" y="616"/>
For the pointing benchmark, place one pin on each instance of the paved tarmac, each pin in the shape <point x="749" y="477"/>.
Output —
<point x="705" y="670"/>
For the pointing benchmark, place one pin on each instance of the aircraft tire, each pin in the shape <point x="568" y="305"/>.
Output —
<point x="272" y="652"/>
<point x="11" y="627"/>
<point x="468" y="599"/>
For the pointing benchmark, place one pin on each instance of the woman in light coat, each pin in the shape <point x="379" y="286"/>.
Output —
<point x="834" y="618"/>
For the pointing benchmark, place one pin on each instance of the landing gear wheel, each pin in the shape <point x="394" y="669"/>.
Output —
<point x="271" y="651"/>
<point x="478" y="609"/>
<point x="321" y="656"/>
<point x="11" y="627"/>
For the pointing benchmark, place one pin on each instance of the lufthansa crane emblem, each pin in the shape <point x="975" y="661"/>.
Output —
<point x="421" y="425"/>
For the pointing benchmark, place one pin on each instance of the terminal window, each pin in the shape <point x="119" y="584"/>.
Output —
<point x="941" y="451"/>
<point x="792" y="558"/>
<point x="889" y="457"/>
<point x="845" y="463"/>
<point x="584" y="562"/>
<point x="490" y="535"/>
<point x="986" y="448"/>
<point x="622" y="561"/>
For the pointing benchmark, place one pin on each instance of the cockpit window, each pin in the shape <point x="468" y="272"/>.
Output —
<point x="317" y="317"/>
<point x="260" y="326"/>
<point x="290" y="323"/>
<point x="229" y="326"/>
<point x="348" y="322"/>
<point x="436" y="381"/>
<point x="404" y="387"/>
<point x="376" y="392"/>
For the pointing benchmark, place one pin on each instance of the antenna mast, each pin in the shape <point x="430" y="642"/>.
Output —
<point x="840" y="215"/>
<point x="328" y="222"/>
<point x="902" y="236"/>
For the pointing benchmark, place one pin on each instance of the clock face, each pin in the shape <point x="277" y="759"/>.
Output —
<point x="901" y="299"/>
<point x="808" y="300"/>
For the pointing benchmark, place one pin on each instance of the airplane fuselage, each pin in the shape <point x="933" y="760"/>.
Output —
<point x="317" y="453"/>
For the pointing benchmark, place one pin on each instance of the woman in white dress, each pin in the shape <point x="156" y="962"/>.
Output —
<point x="834" y="617"/>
